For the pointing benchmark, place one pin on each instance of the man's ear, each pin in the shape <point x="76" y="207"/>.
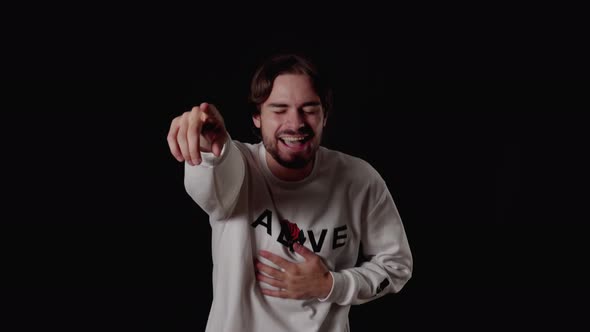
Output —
<point x="256" y="120"/>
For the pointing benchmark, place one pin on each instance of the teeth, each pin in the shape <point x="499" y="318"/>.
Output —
<point x="292" y="139"/>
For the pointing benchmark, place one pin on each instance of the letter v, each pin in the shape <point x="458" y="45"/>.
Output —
<point x="317" y="246"/>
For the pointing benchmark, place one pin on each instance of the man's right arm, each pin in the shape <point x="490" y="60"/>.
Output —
<point x="214" y="167"/>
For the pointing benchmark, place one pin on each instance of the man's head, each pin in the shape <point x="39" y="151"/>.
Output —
<point x="292" y="105"/>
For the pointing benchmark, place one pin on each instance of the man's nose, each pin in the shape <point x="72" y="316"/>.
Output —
<point x="296" y="118"/>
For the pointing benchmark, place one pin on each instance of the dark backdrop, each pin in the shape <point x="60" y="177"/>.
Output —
<point x="99" y="234"/>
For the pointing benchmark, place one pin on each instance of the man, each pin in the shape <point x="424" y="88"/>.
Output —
<point x="288" y="216"/>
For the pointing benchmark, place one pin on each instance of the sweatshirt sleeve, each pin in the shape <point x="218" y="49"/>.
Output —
<point x="215" y="184"/>
<point x="388" y="260"/>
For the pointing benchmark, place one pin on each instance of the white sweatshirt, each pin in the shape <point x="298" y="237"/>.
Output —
<point x="343" y="202"/>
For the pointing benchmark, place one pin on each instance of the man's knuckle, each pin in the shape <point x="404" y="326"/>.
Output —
<point x="193" y="119"/>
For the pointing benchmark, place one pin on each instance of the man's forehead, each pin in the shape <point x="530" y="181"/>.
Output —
<point x="290" y="87"/>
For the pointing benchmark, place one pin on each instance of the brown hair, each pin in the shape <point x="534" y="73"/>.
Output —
<point x="264" y="77"/>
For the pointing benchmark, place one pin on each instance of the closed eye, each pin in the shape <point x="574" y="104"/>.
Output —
<point x="279" y="110"/>
<point x="311" y="110"/>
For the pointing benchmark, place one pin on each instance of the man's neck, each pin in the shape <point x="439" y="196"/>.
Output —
<point x="288" y="174"/>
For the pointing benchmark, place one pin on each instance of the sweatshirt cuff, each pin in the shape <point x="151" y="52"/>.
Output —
<point x="338" y="286"/>
<point x="208" y="159"/>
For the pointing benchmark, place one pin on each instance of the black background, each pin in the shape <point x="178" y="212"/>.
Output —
<point x="487" y="171"/>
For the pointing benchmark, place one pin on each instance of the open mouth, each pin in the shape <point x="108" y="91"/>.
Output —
<point x="296" y="142"/>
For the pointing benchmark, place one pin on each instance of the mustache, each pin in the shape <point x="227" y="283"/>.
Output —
<point x="301" y="131"/>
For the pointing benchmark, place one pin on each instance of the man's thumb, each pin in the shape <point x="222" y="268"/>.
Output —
<point x="216" y="148"/>
<point x="302" y="250"/>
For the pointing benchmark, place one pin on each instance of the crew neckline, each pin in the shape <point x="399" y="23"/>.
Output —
<point x="289" y="184"/>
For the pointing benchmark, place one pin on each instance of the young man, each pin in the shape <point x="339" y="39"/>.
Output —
<point x="288" y="216"/>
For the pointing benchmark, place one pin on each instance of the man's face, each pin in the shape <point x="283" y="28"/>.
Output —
<point x="291" y="121"/>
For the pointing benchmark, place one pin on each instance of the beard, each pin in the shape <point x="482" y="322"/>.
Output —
<point x="293" y="160"/>
<point x="296" y="162"/>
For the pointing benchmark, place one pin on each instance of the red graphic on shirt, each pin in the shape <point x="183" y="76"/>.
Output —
<point x="293" y="230"/>
<point x="290" y="233"/>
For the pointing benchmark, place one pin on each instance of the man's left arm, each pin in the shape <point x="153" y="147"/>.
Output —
<point x="388" y="260"/>
<point x="387" y="269"/>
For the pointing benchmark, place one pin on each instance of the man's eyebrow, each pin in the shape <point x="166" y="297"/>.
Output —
<point x="277" y="105"/>
<point x="311" y="103"/>
<point x="281" y="105"/>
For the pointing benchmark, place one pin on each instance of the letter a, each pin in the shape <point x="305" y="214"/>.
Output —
<point x="267" y="214"/>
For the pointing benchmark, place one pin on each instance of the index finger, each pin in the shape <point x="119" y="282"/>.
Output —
<point x="279" y="261"/>
<point x="210" y="110"/>
<point x="205" y="108"/>
<point x="194" y="134"/>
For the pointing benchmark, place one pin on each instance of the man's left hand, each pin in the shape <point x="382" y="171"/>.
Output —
<point x="307" y="280"/>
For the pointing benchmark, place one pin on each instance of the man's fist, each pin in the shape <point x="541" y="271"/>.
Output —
<point x="200" y="130"/>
